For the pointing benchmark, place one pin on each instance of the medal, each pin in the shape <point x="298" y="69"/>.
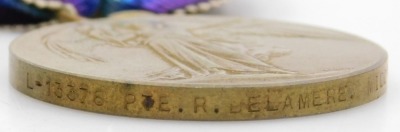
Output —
<point x="197" y="67"/>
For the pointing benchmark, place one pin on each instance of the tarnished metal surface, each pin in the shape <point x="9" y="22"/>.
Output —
<point x="197" y="68"/>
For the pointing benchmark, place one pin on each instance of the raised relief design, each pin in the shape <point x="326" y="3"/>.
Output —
<point x="229" y="47"/>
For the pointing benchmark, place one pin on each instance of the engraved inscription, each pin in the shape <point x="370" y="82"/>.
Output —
<point x="129" y="100"/>
<point x="235" y="108"/>
<point x="254" y="104"/>
<point x="199" y="104"/>
<point x="58" y="89"/>
<point x="148" y="101"/>
<point x="98" y="99"/>
<point x="73" y="91"/>
<point x="304" y="101"/>
<point x="163" y="104"/>
<point x="288" y="103"/>
<point x="83" y="92"/>
<point x="78" y="91"/>
<point x="295" y="101"/>
<point x="35" y="81"/>
<point x="271" y="106"/>
<point x="317" y="101"/>
<point x="72" y="94"/>
<point x="376" y="83"/>
<point x="28" y="81"/>
<point x="330" y="93"/>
